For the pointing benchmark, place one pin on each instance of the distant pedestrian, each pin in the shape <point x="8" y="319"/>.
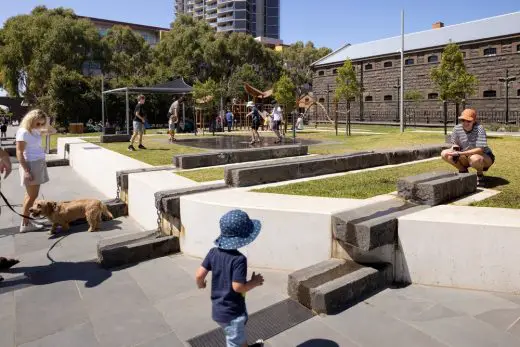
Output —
<point x="138" y="123"/>
<point x="229" y="283"/>
<point x="173" y="117"/>
<point x="229" y="120"/>
<point x="3" y="129"/>
<point x="256" y="120"/>
<point x="277" y="118"/>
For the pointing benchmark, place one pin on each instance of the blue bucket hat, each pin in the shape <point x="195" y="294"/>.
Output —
<point x="237" y="230"/>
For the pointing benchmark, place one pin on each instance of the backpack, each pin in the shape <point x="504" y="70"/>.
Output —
<point x="256" y="115"/>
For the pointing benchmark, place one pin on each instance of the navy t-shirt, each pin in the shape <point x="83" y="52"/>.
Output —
<point x="227" y="266"/>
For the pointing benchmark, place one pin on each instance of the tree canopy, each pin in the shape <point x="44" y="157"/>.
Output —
<point x="451" y="76"/>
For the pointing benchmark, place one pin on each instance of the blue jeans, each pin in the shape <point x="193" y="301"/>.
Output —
<point x="235" y="331"/>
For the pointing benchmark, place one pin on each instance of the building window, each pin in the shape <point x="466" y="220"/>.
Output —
<point x="490" y="52"/>
<point x="387" y="98"/>
<point x="335" y="71"/>
<point x="369" y="98"/>
<point x="433" y="59"/>
<point x="387" y="64"/>
<point x="518" y="92"/>
<point x="368" y="67"/>
<point x="490" y="94"/>
<point x="463" y="54"/>
<point x="321" y="73"/>
<point x="433" y="96"/>
<point x="321" y="101"/>
<point x="409" y="61"/>
<point x="518" y="48"/>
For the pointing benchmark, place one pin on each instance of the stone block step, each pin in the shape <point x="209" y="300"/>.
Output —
<point x="371" y="226"/>
<point x="122" y="176"/>
<point x="192" y="161"/>
<point x="446" y="189"/>
<point x="131" y="249"/>
<point x="117" y="207"/>
<point x="329" y="286"/>
<point x="337" y="295"/>
<point x="407" y="186"/>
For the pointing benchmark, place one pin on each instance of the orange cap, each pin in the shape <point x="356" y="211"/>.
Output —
<point x="469" y="114"/>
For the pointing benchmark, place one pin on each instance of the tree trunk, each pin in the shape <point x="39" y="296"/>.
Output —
<point x="336" y="117"/>
<point x="347" y="125"/>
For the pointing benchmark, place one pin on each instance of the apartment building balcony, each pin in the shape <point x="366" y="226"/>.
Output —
<point x="210" y="7"/>
<point x="225" y="19"/>
<point x="211" y="16"/>
<point x="226" y="9"/>
<point x="224" y="2"/>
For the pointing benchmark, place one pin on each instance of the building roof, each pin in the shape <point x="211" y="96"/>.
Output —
<point x="504" y="25"/>
<point x="132" y="25"/>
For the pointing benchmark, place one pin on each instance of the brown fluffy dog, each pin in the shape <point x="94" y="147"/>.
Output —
<point x="63" y="213"/>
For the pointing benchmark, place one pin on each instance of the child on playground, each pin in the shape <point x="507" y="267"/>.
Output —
<point x="229" y="283"/>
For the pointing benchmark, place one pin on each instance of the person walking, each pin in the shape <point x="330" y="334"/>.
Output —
<point x="138" y="123"/>
<point x="173" y="119"/>
<point x="5" y="171"/>
<point x="277" y="118"/>
<point x="31" y="156"/>
<point x="3" y="129"/>
<point x="229" y="283"/>
<point x="255" y="122"/>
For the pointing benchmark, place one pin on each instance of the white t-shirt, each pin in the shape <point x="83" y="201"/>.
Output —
<point x="33" y="144"/>
<point x="277" y="113"/>
<point x="173" y="111"/>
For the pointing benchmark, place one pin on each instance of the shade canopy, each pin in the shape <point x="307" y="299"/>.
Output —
<point x="177" y="86"/>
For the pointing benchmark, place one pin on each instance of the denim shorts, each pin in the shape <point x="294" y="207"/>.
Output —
<point x="138" y="127"/>
<point x="235" y="331"/>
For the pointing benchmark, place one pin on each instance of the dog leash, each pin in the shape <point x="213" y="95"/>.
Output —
<point x="12" y="208"/>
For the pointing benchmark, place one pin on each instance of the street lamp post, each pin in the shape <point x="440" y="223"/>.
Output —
<point x="507" y="80"/>
<point x="398" y="87"/>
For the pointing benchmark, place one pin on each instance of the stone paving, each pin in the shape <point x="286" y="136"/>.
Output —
<point x="58" y="296"/>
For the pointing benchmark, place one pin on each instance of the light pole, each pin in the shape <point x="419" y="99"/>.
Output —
<point x="507" y="80"/>
<point x="398" y="87"/>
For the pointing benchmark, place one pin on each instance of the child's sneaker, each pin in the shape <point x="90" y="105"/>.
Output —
<point x="131" y="148"/>
<point x="141" y="147"/>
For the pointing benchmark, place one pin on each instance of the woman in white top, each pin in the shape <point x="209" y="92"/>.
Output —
<point x="30" y="154"/>
<point x="277" y="121"/>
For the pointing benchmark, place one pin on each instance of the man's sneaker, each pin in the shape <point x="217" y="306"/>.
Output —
<point x="30" y="227"/>
<point x="141" y="147"/>
<point x="131" y="148"/>
<point x="480" y="180"/>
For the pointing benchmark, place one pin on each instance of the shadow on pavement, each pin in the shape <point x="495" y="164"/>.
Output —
<point x="318" y="343"/>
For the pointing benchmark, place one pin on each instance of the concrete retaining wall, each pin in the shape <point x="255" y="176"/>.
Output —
<point x="192" y="161"/>
<point x="463" y="247"/>
<point x="95" y="164"/>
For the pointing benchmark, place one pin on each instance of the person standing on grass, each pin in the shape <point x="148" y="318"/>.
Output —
<point x="277" y="121"/>
<point x="470" y="147"/>
<point x="138" y="123"/>
<point x="229" y="283"/>
<point x="30" y="154"/>
<point x="5" y="171"/>
<point x="256" y="120"/>
<point x="173" y="119"/>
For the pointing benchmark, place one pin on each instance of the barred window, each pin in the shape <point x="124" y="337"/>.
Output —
<point x="490" y="94"/>
<point x="387" y="64"/>
<point x="433" y="96"/>
<point x="369" y="98"/>
<point x="321" y="73"/>
<point x="368" y="67"/>
<point x="518" y="92"/>
<point x="387" y="98"/>
<point x="490" y="51"/>
<point x="321" y="101"/>
<point x="409" y="61"/>
<point x="335" y="71"/>
<point x="433" y="59"/>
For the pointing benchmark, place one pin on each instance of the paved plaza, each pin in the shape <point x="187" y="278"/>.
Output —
<point x="58" y="296"/>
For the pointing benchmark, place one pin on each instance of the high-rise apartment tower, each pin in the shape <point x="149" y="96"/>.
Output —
<point x="260" y="18"/>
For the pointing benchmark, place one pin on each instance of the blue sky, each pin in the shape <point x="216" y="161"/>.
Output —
<point x="330" y="23"/>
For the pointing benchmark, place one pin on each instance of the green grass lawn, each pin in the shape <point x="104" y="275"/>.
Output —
<point x="503" y="176"/>
<point x="157" y="153"/>
<point x="204" y="175"/>
<point x="54" y="138"/>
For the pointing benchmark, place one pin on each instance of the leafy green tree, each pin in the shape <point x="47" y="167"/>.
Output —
<point x="413" y="95"/>
<point x="451" y="77"/>
<point x="127" y="56"/>
<point x="347" y="88"/>
<point x="31" y="45"/>
<point x="297" y="60"/>
<point x="284" y="93"/>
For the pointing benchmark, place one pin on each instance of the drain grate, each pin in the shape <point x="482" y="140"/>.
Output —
<point x="263" y="324"/>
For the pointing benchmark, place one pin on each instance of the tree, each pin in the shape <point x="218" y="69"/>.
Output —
<point x="347" y="88"/>
<point x="451" y="76"/>
<point x="297" y="60"/>
<point x="207" y="95"/>
<point x="31" y="45"/>
<point x="284" y="93"/>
